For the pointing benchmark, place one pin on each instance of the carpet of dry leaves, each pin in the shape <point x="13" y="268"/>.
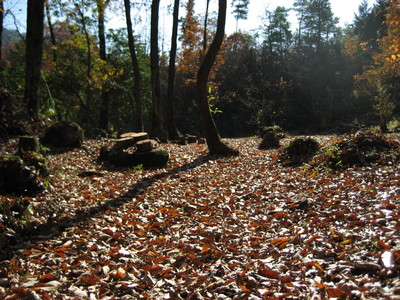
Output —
<point x="207" y="227"/>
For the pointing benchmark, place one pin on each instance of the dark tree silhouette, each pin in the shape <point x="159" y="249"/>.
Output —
<point x="172" y="130"/>
<point x="137" y="88"/>
<point x="214" y="142"/>
<point x="157" y="130"/>
<point x="1" y="26"/>
<point x="34" y="47"/>
<point x="105" y="96"/>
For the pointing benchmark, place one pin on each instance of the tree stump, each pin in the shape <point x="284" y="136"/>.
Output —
<point x="137" y="136"/>
<point x="191" y="139"/>
<point x="28" y="143"/>
<point x="146" y="145"/>
<point x="124" y="143"/>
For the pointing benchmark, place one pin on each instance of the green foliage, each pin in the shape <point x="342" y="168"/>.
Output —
<point x="138" y="168"/>
<point x="212" y="99"/>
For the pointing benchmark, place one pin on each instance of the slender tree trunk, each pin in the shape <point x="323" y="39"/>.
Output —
<point x="88" y="106"/>
<point x="172" y="130"/>
<point x="214" y="142"/>
<point x="155" y="71"/>
<point x="1" y="28"/>
<point x="137" y="88"/>
<point x="205" y="27"/>
<point x="51" y="29"/>
<point x="34" y="47"/>
<point x="105" y="96"/>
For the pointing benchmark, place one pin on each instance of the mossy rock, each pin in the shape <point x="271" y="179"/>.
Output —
<point x="298" y="151"/>
<point x="361" y="149"/>
<point x="16" y="177"/>
<point x="64" y="135"/>
<point x="270" y="140"/>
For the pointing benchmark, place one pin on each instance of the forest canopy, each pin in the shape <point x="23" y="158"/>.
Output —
<point x="312" y="75"/>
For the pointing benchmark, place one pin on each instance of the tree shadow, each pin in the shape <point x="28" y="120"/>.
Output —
<point x="55" y="227"/>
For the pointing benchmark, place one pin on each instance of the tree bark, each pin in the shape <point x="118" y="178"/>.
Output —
<point x="51" y="29"/>
<point x="205" y="27"/>
<point x="105" y="96"/>
<point x="137" y="76"/>
<point x="214" y="143"/>
<point x="155" y="71"/>
<point x="34" y="47"/>
<point x="1" y="28"/>
<point x="172" y="129"/>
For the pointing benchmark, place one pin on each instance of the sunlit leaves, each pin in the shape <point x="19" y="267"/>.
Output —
<point x="210" y="227"/>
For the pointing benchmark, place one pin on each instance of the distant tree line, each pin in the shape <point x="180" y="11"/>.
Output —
<point x="315" y="76"/>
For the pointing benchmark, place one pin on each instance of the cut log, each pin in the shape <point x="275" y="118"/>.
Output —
<point x="191" y="139"/>
<point x="137" y="136"/>
<point x="146" y="145"/>
<point x="124" y="143"/>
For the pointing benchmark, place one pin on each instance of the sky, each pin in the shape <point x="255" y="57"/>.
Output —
<point x="344" y="9"/>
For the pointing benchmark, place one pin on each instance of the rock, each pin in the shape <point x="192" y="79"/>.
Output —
<point x="64" y="134"/>
<point x="298" y="151"/>
<point x="270" y="141"/>
<point x="16" y="177"/>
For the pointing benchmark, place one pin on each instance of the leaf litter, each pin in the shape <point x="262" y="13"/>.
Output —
<point x="205" y="227"/>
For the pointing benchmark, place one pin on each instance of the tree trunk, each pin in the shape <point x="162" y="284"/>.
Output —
<point x="88" y="105"/>
<point x="1" y="27"/>
<point x="105" y="96"/>
<point x="214" y="143"/>
<point x="205" y="27"/>
<point x="137" y="88"/>
<point x="51" y="29"/>
<point x="172" y="130"/>
<point x="155" y="71"/>
<point x="34" y="47"/>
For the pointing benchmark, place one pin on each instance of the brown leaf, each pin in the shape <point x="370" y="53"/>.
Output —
<point x="269" y="273"/>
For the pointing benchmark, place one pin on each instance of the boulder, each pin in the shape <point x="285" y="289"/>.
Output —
<point x="64" y="134"/>
<point x="270" y="140"/>
<point x="298" y="151"/>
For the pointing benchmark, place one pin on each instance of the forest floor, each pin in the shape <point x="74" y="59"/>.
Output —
<point x="206" y="227"/>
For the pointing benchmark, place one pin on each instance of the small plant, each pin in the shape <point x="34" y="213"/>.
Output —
<point x="138" y="167"/>
<point x="46" y="149"/>
<point x="212" y="99"/>
<point x="393" y="125"/>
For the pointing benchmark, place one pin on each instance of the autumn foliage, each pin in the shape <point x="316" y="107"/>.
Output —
<point x="204" y="227"/>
